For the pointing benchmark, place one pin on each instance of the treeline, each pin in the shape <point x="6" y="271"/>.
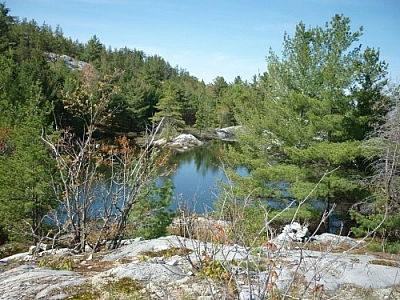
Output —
<point x="45" y="103"/>
<point x="316" y="119"/>
<point x="146" y="82"/>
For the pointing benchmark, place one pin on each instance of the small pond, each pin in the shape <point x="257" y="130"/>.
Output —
<point x="195" y="177"/>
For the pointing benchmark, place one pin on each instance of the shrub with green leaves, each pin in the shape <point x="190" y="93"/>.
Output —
<point x="150" y="218"/>
<point x="56" y="263"/>
<point x="368" y="223"/>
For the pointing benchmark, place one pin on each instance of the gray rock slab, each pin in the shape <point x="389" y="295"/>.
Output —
<point x="136" y="248"/>
<point x="27" y="281"/>
<point x="333" y="270"/>
<point x="330" y="269"/>
<point x="336" y="269"/>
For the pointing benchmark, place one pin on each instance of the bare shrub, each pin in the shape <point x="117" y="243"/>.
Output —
<point x="97" y="185"/>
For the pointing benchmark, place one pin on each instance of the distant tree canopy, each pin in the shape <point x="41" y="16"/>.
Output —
<point x="307" y="114"/>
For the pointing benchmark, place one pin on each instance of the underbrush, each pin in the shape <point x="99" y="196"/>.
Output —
<point x="56" y="263"/>
<point x="388" y="247"/>
<point x="11" y="249"/>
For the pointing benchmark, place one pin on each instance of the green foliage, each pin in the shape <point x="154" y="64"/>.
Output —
<point x="56" y="263"/>
<point x="383" y="246"/>
<point x="213" y="268"/>
<point x="169" y="110"/>
<point x="252" y="223"/>
<point x="150" y="218"/>
<point x="302" y="119"/>
<point x="6" y="22"/>
<point x="248" y="223"/>
<point x="37" y="89"/>
<point x="206" y="111"/>
<point x="93" y="51"/>
<point x="27" y="172"/>
<point x="384" y="207"/>
<point x="367" y="224"/>
<point x="305" y="115"/>
<point x="306" y="215"/>
<point x="12" y="248"/>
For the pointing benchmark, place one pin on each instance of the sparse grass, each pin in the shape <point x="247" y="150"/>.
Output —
<point x="392" y="248"/>
<point x="225" y="276"/>
<point x="331" y="247"/>
<point x="213" y="268"/>
<point x="86" y="295"/>
<point x="383" y="262"/>
<point x="124" y="285"/>
<point x="123" y="289"/>
<point x="255" y="265"/>
<point x="356" y="292"/>
<point x="181" y="251"/>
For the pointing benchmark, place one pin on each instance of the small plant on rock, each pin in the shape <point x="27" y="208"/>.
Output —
<point x="57" y="263"/>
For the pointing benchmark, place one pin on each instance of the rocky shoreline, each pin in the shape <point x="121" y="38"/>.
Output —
<point x="173" y="267"/>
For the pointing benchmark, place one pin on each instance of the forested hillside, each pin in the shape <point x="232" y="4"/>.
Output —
<point x="321" y="119"/>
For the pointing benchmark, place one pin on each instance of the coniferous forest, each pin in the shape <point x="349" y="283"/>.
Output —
<point x="322" y="119"/>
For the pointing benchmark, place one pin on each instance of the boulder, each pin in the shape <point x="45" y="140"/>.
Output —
<point x="228" y="133"/>
<point x="294" y="232"/>
<point x="160" y="142"/>
<point x="70" y="62"/>
<point x="38" y="248"/>
<point x="185" y="141"/>
<point x="337" y="239"/>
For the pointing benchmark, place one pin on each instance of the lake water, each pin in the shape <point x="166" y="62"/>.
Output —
<point x="195" y="177"/>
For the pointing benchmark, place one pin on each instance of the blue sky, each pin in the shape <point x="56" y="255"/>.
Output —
<point x="211" y="38"/>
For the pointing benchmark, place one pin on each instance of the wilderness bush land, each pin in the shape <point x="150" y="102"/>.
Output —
<point x="77" y="161"/>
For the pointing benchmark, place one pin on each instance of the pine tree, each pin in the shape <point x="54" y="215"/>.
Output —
<point x="206" y="112"/>
<point x="27" y="172"/>
<point x="169" y="109"/>
<point x="302" y="125"/>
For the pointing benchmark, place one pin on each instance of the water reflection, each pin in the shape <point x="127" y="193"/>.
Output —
<point x="195" y="177"/>
<point x="205" y="158"/>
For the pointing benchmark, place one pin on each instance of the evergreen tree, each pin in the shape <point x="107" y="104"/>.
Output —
<point x="298" y="129"/>
<point x="169" y="109"/>
<point x="218" y="88"/>
<point x="27" y="172"/>
<point x="205" y="114"/>
<point x="94" y="50"/>
<point x="6" y="22"/>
